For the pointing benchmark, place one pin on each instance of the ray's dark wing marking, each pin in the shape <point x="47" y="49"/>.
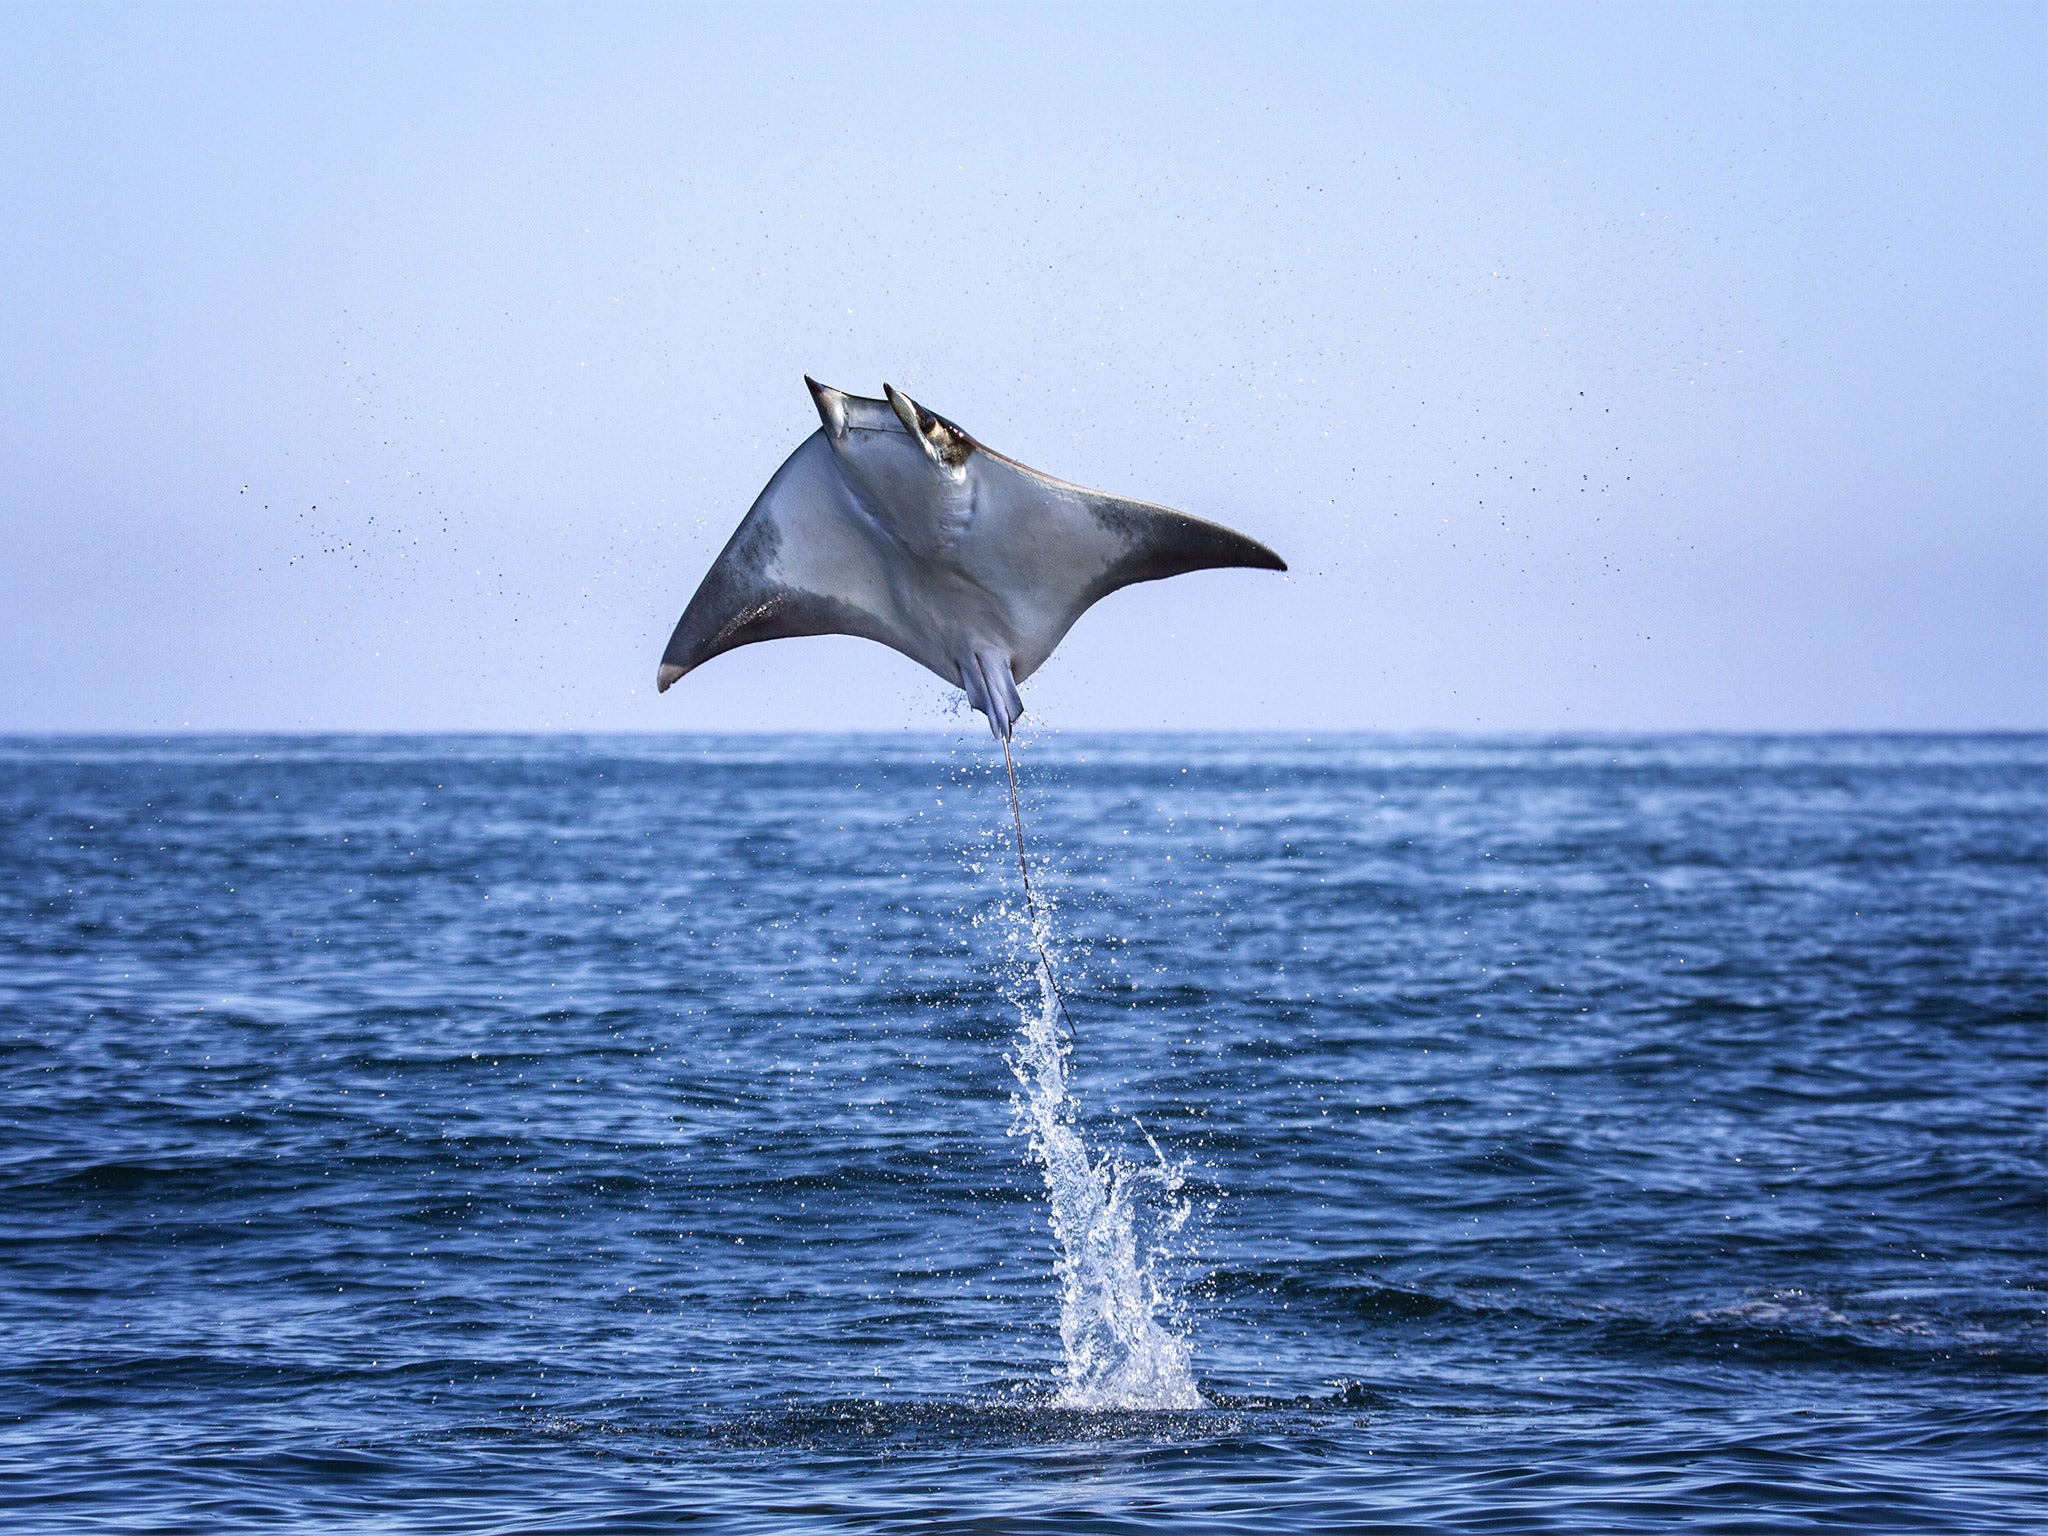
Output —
<point x="726" y="615"/>
<point x="1159" y="542"/>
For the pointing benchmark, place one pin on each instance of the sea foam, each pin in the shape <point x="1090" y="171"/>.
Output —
<point x="1114" y="1221"/>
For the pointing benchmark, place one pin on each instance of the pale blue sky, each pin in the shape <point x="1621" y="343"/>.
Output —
<point x="1603" y="366"/>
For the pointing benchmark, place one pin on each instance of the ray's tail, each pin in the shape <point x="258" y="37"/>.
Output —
<point x="1031" y="901"/>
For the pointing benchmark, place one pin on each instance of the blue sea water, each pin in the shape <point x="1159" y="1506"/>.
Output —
<point x="540" y="1134"/>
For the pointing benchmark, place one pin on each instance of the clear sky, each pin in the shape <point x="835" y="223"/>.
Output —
<point x="1594" y="366"/>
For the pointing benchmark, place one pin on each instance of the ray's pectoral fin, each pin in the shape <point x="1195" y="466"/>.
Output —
<point x="1159" y="542"/>
<point x="745" y="597"/>
<point x="725" y="617"/>
<point x="738" y="611"/>
<point x="991" y="688"/>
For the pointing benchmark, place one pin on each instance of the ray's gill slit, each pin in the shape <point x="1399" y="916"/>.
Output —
<point x="1123" y="1333"/>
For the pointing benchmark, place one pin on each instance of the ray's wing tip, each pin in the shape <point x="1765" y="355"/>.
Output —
<point x="1255" y="555"/>
<point x="665" y="679"/>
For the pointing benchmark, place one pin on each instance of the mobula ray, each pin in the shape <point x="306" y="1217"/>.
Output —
<point x="892" y="523"/>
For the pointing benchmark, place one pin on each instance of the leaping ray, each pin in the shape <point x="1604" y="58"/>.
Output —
<point x="892" y="523"/>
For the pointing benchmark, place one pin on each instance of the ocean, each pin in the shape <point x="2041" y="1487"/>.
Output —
<point x="544" y="1134"/>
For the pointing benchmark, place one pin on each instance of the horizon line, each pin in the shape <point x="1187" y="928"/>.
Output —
<point x="929" y="733"/>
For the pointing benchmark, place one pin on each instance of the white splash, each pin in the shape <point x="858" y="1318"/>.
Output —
<point x="1112" y="1220"/>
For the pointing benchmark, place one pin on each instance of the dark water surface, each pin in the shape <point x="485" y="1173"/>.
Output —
<point x="504" y="1134"/>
